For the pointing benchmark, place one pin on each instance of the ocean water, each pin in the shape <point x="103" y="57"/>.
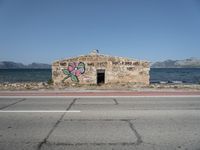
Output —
<point x="25" y="75"/>
<point x="175" y="75"/>
<point x="157" y="75"/>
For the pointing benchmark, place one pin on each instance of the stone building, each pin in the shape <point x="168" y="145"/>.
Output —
<point x="96" y="68"/>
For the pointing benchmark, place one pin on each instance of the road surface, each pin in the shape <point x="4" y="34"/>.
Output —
<point x="84" y="123"/>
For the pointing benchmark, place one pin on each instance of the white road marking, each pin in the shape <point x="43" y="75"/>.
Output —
<point x="39" y="111"/>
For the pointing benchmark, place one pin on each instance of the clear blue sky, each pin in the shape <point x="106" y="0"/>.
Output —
<point x="47" y="30"/>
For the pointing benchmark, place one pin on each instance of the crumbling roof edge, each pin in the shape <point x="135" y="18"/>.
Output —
<point x="104" y="55"/>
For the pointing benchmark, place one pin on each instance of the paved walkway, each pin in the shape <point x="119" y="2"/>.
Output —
<point x="100" y="93"/>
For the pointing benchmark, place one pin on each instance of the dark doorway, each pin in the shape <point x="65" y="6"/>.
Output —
<point x="100" y="76"/>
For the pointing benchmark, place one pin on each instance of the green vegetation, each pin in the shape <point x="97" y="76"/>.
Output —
<point x="50" y="81"/>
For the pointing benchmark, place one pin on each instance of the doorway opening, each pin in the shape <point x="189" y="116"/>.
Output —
<point x="100" y="76"/>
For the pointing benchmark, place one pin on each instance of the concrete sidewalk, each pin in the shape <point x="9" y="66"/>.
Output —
<point x="100" y="93"/>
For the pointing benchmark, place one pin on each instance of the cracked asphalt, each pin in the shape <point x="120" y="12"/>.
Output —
<point x="117" y="123"/>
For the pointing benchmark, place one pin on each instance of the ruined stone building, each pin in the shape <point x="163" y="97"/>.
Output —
<point x="96" y="68"/>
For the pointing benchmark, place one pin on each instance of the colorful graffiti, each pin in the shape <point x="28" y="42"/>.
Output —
<point x="74" y="70"/>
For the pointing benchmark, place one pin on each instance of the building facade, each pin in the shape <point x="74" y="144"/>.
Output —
<point x="96" y="68"/>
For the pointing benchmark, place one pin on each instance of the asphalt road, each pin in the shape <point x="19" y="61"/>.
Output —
<point x="143" y="123"/>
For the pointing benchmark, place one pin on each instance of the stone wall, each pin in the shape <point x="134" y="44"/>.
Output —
<point x="83" y="70"/>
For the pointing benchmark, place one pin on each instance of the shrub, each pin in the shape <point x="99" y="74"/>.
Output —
<point x="50" y="81"/>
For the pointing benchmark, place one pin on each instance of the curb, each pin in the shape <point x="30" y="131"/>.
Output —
<point x="103" y="94"/>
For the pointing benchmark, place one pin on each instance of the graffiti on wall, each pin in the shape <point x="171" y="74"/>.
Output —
<point x="128" y="63"/>
<point x="74" y="70"/>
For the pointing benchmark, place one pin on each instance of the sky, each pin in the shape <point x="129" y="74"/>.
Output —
<point x="48" y="30"/>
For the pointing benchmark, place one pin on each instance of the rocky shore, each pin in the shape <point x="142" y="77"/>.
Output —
<point x="48" y="86"/>
<point x="25" y="86"/>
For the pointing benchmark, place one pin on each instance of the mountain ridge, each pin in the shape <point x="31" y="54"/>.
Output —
<point x="16" y="65"/>
<point x="184" y="63"/>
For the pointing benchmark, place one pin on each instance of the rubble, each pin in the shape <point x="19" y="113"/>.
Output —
<point x="117" y="86"/>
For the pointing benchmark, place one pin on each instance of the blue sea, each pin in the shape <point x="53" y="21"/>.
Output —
<point x="25" y="75"/>
<point x="157" y="75"/>
<point x="175" y="75"/>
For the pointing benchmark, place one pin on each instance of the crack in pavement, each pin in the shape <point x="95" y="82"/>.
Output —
<point x="21" y="100"/>
<point x="179" y="146"/>
<point x="99" y="120"/>
<point x="139" y="139"/>
<point x="93" y="144"/>
<point x="153" y="145"/>
<point x="55" y="125"/>
<point x="164" y="146"/>
<point x="138" y="136"/>
<point x="72" y="103"/>
<point x="115" y="101"/>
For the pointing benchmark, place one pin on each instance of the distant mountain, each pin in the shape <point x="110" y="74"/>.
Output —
<point x="39" y="66"/>
<point x="14" y="65"/>
<point x="10" y="65"/>
<point x="186" y="63"/>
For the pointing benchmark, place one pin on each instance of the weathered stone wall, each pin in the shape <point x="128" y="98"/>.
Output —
<point x="83" y="70"/>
